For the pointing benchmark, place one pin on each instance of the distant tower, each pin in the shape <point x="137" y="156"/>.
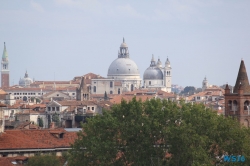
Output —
<point x="5" y="69"/>
<point x="205" y="84"/>
<point x="167" y="76"/>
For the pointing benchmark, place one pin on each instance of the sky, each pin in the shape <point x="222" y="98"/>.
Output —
<point x="61" y="39"/>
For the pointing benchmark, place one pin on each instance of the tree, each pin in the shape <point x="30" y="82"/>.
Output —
<point x="158" y="132"/>
<point x="40" y="122"/>
<point x="43" y="160"/>
<point x="105" y="96"/>
<point x="55" y="118"/>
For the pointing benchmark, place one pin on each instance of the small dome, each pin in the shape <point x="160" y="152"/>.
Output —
<point x="124" y="45"/>
<point x="123" y="66"/>
<point x="153" y="73"/>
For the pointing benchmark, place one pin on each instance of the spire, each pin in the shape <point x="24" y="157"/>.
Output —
<point x="153" y="59"/>
<point x="167" y="63"/>
<point x="5" y="53"/>
<point x="159" y="63"/>
<point x="26" y="74"/>
<point x="123" y="40"/>
<point x="242" y="79"/>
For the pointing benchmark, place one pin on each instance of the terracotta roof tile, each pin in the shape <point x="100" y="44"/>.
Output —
<point x="29" y="139"/>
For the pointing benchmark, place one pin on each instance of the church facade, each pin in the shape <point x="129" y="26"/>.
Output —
<point x="124" y="76"/>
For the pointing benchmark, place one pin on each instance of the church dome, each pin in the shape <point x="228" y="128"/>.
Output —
<point x="153" y="73"/>
<point x="123" y="66"/>
<point x="26" y="81"/>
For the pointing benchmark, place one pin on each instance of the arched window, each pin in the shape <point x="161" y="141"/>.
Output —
<point x="230" y="105"/>
<point x="25" y="98"/>
<point x="132" y="87"/>
<point x="235" y="106"/>
<point x="111" y="92"/>
<point x="119" y="91"/>
<point x="169" y="73"/>
<point x="246" y="105"/>
<point x="94" y="89"/>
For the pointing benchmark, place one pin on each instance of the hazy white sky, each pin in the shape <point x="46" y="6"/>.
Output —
<point x="68" y="38"/>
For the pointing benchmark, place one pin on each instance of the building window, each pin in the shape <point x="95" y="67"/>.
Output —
<point x="246" y="105"/>
<point x="111" y="84"/>
<point x="73" y="93"/>
<point x="93" y="108"/>
<point x="149" y="83"/>
<point x="111" y="92"/>
<point x="94" y="89"/>
<point x="57" y="108"/>
<point x="235" y="106"/>
<point x="88" y="108"/>
<point x="132" y="87"/>
<point x="57" y="94"/>
<point x="119" y="91"/>
<point x="53" y="109"/>
<point x="48" y="108"/>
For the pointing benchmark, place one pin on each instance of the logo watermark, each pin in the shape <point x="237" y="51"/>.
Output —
<point x="232" y="158"/>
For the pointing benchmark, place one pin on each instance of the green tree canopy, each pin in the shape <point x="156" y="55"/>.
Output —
<point x="159" y="132"/>
<point x="44" y="160"/>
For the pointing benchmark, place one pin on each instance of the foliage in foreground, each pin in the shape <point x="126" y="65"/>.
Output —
<point x="44" y="160"/>
<point x="159" y="132"/>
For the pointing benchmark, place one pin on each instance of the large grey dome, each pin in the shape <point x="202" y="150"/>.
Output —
<point x="26" y="81"/>
<point x="153" y="73"/>
<point x="123" y="66"/>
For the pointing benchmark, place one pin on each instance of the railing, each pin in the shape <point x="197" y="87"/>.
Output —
<point x="68" y="117"/>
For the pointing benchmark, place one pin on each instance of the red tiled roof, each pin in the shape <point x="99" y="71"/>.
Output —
<point x="35" y="139"/>
<point x="118" y="98"/>
<point x="6" y="161"/>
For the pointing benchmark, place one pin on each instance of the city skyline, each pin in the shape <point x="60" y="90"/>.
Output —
<point x="58" y="40"/>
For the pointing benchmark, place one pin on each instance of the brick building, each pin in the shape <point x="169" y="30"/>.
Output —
<point x="237" y="103"/>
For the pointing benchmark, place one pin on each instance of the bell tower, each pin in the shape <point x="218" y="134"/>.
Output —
<point x="205" y="84"/>
<point x="237" y="104"/>
<point x="167" y="76"/>
<point x="5" y="68"/>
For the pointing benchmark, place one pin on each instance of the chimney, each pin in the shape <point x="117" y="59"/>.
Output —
<point x="240" y="90"/>
<point x="52" y="125"/>
<point x="227" y="90"/>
